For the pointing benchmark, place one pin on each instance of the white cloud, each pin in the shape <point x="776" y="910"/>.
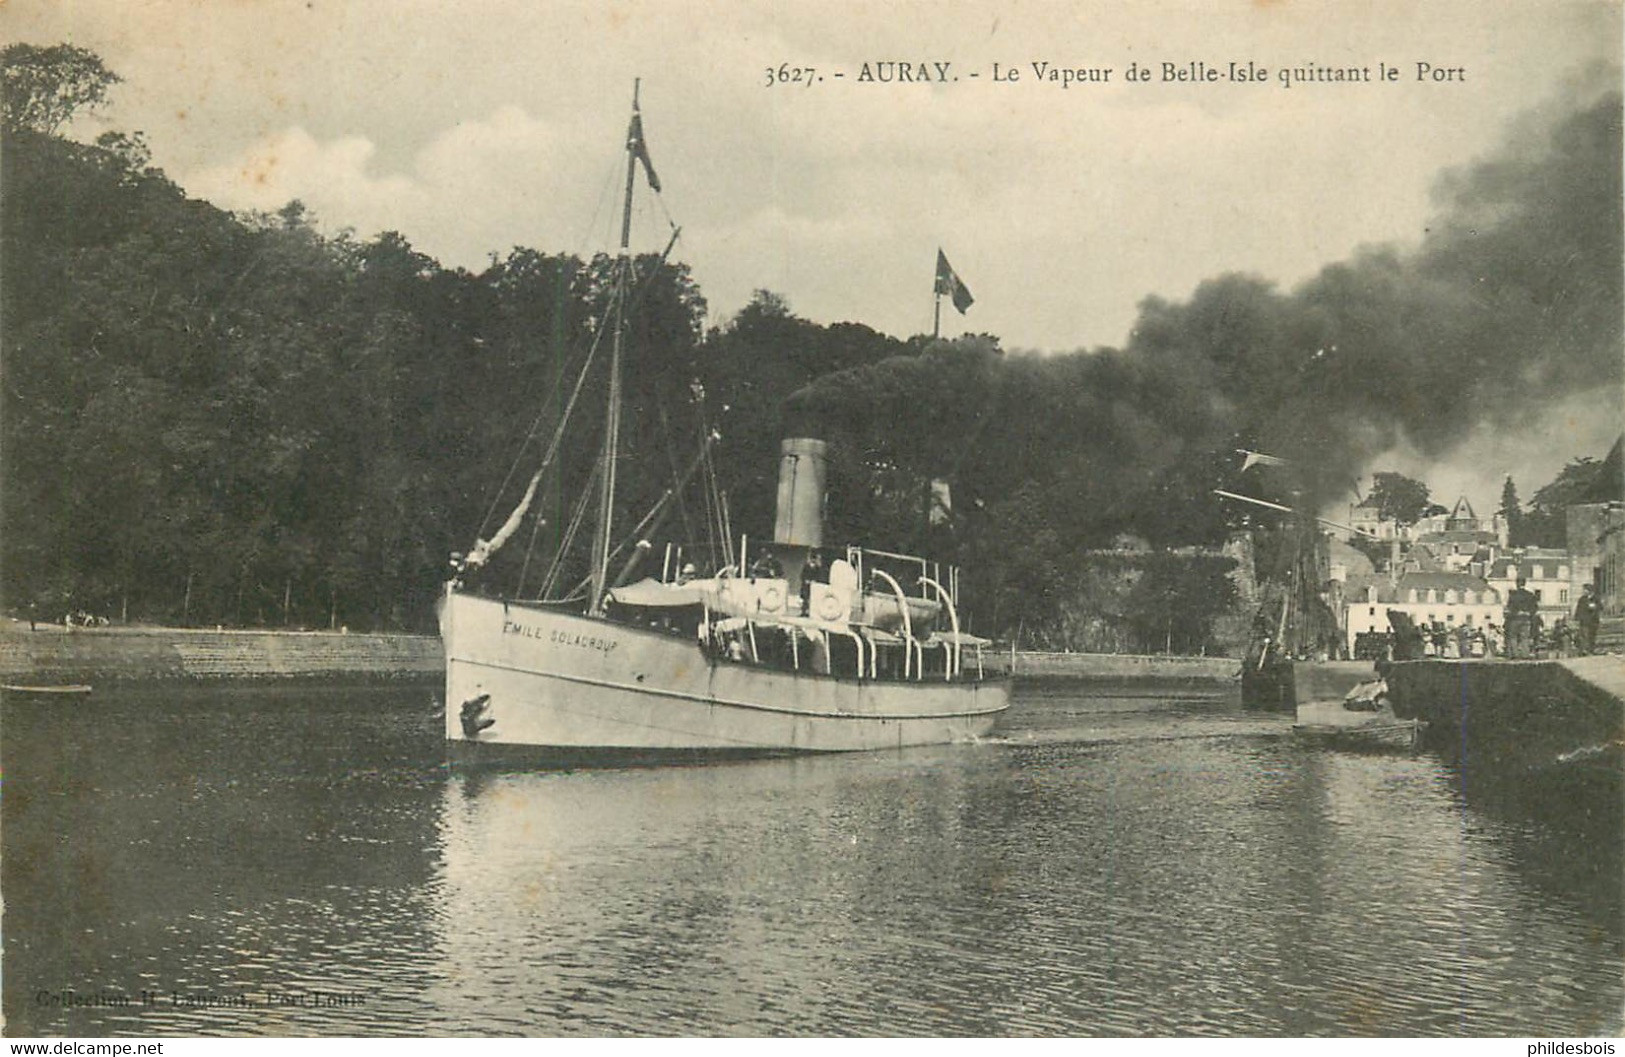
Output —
<point x="332" y="178"/>
<point x="472" y="128"/>
<point x="477" y="184"/>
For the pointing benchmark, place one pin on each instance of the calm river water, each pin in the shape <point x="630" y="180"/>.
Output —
<point x="275" y="861"/>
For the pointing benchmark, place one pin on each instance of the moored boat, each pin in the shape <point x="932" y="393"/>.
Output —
<point x="1364" y="719"/>
<point x="784" y="645"/>
<point x="72" y="689"/>
<point x="1370" y="733"/>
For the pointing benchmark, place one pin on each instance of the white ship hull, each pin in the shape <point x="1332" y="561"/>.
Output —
<point x="561" y="681"/>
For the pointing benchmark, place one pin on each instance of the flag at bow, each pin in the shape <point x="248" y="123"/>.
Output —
<point x="1256" y="458"/>
<point x="949" y="283"/>
<point x="640" y="150"/>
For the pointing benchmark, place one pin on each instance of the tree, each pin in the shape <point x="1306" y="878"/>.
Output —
<point x="1546" y="524"/>
<point x="1398" y="498"/>
<point x="45" y="87"/>
<point x="764" y="302"/>
<point x="1511" y="511"/>
<point x="750" y="368"/>
<point x="1173" y="604"/>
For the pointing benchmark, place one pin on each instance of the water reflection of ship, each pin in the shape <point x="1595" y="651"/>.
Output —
<point x="678" y="899"/>
<point x="921" y="891"/>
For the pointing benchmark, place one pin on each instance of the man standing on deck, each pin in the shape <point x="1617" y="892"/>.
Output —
<point x="1587" y="616"/>
<point x="1522" y="609"/>
<point x="812" y="572"/>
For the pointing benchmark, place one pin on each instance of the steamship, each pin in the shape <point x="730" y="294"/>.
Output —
<point x="781" y="646"/>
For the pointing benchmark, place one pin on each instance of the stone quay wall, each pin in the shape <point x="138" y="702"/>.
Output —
<point x="91" y="655"/>
<point x="1110" y="666"/>
<point x="1516" y="716"/>
<point x="53" y="655"/>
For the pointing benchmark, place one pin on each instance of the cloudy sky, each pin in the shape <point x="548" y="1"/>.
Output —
<point x="472" y="127"/>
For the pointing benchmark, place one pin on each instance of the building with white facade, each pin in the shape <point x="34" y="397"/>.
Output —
<point x="1447" y="598"/>
<point x="1547" y="573"/>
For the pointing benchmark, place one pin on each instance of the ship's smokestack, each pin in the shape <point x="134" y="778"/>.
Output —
<point x="801" y="492"/>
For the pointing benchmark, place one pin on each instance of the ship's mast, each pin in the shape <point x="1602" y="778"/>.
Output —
<point x="612" y="417"/>
<point x="606" y="473"/>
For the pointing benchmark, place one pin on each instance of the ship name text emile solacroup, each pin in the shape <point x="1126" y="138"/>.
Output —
<point x="560" y="638"/>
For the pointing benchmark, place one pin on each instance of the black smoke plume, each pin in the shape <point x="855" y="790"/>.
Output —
<point x="1510" y="303"/>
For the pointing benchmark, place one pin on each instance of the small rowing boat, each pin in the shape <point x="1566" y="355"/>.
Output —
<point x="72" y="688"/>
<point x="1364" y="719"/>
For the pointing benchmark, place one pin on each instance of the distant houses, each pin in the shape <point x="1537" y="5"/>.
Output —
<point x="1414" y="581"/>
<point x="1367" y="521"/>
<point x="1456" y="569"/>
<point x="1449" y="570"/>
<point x="1460" y="528"/>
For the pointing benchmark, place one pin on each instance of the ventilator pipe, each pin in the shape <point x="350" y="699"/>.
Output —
<point x="908" y="625"/>
<point x="643" y="548"/>
<point x="954" y="659"/>
<point x="857" y="641"/>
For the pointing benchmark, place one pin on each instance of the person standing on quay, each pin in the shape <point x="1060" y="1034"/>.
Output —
<point x="1587" y="617"/>
<point x="1521" y="610"/>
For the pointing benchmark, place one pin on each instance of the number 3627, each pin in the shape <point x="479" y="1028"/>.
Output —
<point x="785" y="74"/>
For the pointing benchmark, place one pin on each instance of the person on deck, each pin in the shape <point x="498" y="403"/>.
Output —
<point x="811" y="573"/>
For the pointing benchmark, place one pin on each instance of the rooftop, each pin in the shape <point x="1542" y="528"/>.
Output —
<point x="1422" y="582"/>
<point x="1474" y="536"/>
<point x="1500" y="569"/>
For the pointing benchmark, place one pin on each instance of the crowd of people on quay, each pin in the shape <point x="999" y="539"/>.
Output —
<point x="1522" y="635"/>
<point x="1527" y="636"/>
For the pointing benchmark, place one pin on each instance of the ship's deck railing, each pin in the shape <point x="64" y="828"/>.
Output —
<point x="771" y="592"/>
<point x="735" y="638"/>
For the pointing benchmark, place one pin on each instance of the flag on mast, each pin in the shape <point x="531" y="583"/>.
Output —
<point x="948" y="282"/>
<point x="640" y="150"/>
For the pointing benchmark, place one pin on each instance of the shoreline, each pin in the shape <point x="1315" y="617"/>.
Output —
<point x="151" y="653"/>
